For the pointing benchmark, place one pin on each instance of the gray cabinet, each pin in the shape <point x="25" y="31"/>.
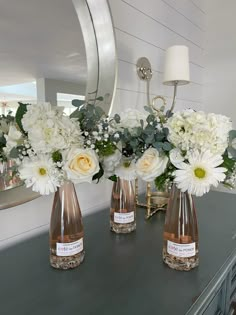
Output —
<point x="124" y="274"/>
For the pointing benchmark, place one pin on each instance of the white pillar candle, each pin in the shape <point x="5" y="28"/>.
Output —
<point x="176" y="65"/>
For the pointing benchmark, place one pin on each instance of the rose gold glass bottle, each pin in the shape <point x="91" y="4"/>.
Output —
<point x="123" y="207"/>
<point x="66" y="229"/>
<point x="180" y="248"/>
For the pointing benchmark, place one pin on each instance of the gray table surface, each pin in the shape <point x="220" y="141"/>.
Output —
<point x="121" y="274"/>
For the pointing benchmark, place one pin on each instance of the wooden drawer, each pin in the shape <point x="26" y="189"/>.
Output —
<point x="216" y="305"/>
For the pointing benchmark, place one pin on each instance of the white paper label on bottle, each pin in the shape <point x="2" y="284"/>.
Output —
<point x="124" y="217"/>
<point x="69" y="249"/>
<point x="181" y="250"/>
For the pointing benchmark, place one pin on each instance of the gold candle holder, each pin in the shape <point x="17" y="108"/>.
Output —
<point x="155" y="201"/>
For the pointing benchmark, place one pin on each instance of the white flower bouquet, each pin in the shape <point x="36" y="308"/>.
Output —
<point x="193" y="149"/>
<point x="6" y="124"/>
<point x="52" y="148"/>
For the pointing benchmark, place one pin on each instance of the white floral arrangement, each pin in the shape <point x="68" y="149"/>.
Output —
<point x="50" y="148"/>
<point x="193" y="149"/>
<point x="5" y="122"/>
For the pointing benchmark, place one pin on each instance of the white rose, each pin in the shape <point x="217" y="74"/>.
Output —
<point x="13" y="138"/>
<point x="151" y="165"/>
<point x="81" y="165"/>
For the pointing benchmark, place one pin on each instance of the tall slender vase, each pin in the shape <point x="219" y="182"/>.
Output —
<point x="123" y="207"/>
<point x="66" y="229"/>
<point x="180" y="248"/>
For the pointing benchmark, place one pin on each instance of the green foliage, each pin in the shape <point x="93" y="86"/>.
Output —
<point x="78" y="103"/>
<point x="148" y="109"/>
<point x="105" y="148"/>
<point x="228" y="163"/>
<point x="117" y="118"/>
<point x="21" y="110"/>
<point x="162" y="180"/>
<point x="89" y="116"/>
<point x="137" y="140"/>
<point x="99" y="174"/>
<point x="16" y="151"/>
<point x="232" y="138"/>
<point x="113" y="178"/>
<point x="57" y="156"/>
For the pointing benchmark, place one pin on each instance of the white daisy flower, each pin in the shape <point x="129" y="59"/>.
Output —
<point x="110" y="162"/>
<point x="201" y="172"/>
<point x="126" y="170"/>
<point x="41" y="174"/>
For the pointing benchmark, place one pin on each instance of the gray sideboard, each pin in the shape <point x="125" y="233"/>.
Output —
<point x="124" y="274"/>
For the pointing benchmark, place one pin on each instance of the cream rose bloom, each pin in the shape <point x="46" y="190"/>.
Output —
<point x="81" y="165"/>
<point x="151" y="165"/>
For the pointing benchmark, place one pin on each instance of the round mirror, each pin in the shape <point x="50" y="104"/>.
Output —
<point x="54" y="51"/>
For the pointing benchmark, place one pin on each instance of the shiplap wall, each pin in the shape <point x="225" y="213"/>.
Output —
<point x="143" y="28"/>
<point x="220" y="52"/>
<point x="147" y="29"/>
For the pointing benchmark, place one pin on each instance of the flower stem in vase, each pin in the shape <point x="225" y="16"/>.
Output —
<point x="180" y="238"/>
<point x="123" y="207"/>
<point x="66" y="229"/>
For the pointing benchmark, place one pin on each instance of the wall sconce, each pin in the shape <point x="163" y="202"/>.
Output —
<point x="144" y="71"/>
<point x="176" y="69"/>
<point x="176" y="73"/>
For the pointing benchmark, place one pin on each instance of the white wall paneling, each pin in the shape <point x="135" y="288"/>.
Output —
<point x="220" y="79"/>
<point x="190" y="11"/>
<point x="148" y="29"/>
<point x="165" y="15"/>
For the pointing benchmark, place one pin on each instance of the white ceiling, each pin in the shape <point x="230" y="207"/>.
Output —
<point x="40" y="38"/>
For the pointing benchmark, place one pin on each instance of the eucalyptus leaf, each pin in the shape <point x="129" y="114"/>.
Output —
<point x="167" y="146"/>
<point x="150" y="118"/>
<point x="14" y="153"/>
<point x="148" y="109"/>
<point x="117" y="118"/>
<point x="232" y="152"/>
<point x="76" y="114"/>
<point x="78" y="103"/>
<point x="157" y="145"/>
<point x="99" y="111"/>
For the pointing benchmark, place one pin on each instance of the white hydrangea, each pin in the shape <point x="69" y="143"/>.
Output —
<point x="49" y="129"/>
<point x="130" y="119"/>
<point x="190" y="130"/>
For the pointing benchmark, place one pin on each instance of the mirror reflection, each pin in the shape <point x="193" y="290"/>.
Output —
<point x="42" y="58"/>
